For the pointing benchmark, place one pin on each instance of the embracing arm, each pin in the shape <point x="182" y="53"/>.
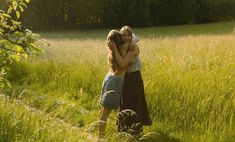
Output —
<point x="123" y="62"/>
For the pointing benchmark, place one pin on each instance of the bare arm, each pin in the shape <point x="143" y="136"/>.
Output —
<point x="123" y="62"/>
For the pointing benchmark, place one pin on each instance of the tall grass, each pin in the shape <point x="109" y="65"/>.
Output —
<point x="189" y="78"/>
<point x="192" y="81"/>
<point x="18" y="122"/>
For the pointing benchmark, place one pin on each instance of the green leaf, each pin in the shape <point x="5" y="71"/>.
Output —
<point x="1" y="31"/>
<point x="9" y="10"/>
<point x="18" y="34"/>
<point x="15" y="22"/>
<point x="19" y="49"/>
<point x="3" y="42"/>
<point x="25" y="56"/>
<point x="28" y="31"/>
<point x="33" y="45"/>
<point x="17" y="14"/>
<point x="23" y="4"/>
<point x="27" y="1"/>
<point x="8" y="83"/>
<point x="14" y="5"/>
<point x="21" y="8"/>
<point x="3" y="71"/>
<point x="15" y="57"/>
<point x="6" y="15"/>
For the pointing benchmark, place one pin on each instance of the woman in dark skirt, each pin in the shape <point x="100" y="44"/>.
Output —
<point x="133" y="112"/>
<point x="133" y="98"/>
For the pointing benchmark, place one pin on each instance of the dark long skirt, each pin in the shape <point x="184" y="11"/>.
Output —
<point x="133" y="98"/>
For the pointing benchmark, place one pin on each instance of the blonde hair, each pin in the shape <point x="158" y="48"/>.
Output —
<point x="126" y="29"/>
<point x="114" y="36"/>
<point x="129" y="31"/>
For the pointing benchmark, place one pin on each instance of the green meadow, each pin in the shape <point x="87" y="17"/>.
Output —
<point x="188" y="73"/>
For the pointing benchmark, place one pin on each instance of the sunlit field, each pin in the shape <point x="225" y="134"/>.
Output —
<point x="188" y="73"/>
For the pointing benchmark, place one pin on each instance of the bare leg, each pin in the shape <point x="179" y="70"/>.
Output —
<point x="103" y="120"/>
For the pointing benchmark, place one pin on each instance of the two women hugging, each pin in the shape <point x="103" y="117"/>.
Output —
<point x="123" y="87"/>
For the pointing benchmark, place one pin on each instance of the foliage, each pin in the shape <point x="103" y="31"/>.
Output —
<point x="214" y="10"/>
<point x="16" y="43"/>
<point x="122" y="12"/>
<point x="65" y="14"/>
<point x="74" y="14"/>
<point x="171" y="12"/>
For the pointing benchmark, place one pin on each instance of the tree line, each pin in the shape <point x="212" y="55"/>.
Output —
<point x="73" y="14"/>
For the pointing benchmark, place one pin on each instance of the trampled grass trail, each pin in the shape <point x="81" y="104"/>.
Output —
<point x="188" y="73"/>
<point x="20" y="122"/>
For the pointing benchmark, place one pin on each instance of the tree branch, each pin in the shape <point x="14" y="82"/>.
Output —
<point x="4" y="48"/>
<point x="12" y="41"/>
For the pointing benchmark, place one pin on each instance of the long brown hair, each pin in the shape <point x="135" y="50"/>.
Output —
<point x="114" y="36"/>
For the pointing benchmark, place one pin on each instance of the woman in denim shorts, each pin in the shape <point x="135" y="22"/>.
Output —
<point x="111" y="90"/>
<point x="113" y="82"/>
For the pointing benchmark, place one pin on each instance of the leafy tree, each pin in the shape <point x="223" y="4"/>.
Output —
<point x="206" y="11"/>
<point x="123" y="12"/>
<point x="127" y="12"/>
<point x="16" y="43"/>
<point x="110" y="14"/>
<point x="142" y="15"/>
<point x="172" y="12"/>
<point x="86" y="13"/>
<point x="214" y="10"/>
<point x="74" y="14"/>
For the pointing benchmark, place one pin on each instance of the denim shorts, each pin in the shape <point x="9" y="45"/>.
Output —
<point x="111" y="91"/>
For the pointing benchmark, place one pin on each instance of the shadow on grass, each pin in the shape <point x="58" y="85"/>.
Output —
<point x="148" y="32"/>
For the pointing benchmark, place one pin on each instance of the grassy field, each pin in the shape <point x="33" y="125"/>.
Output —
<point x="188" y="72"/>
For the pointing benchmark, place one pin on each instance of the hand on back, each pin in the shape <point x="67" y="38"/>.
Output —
<point x="111" y="45"/>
